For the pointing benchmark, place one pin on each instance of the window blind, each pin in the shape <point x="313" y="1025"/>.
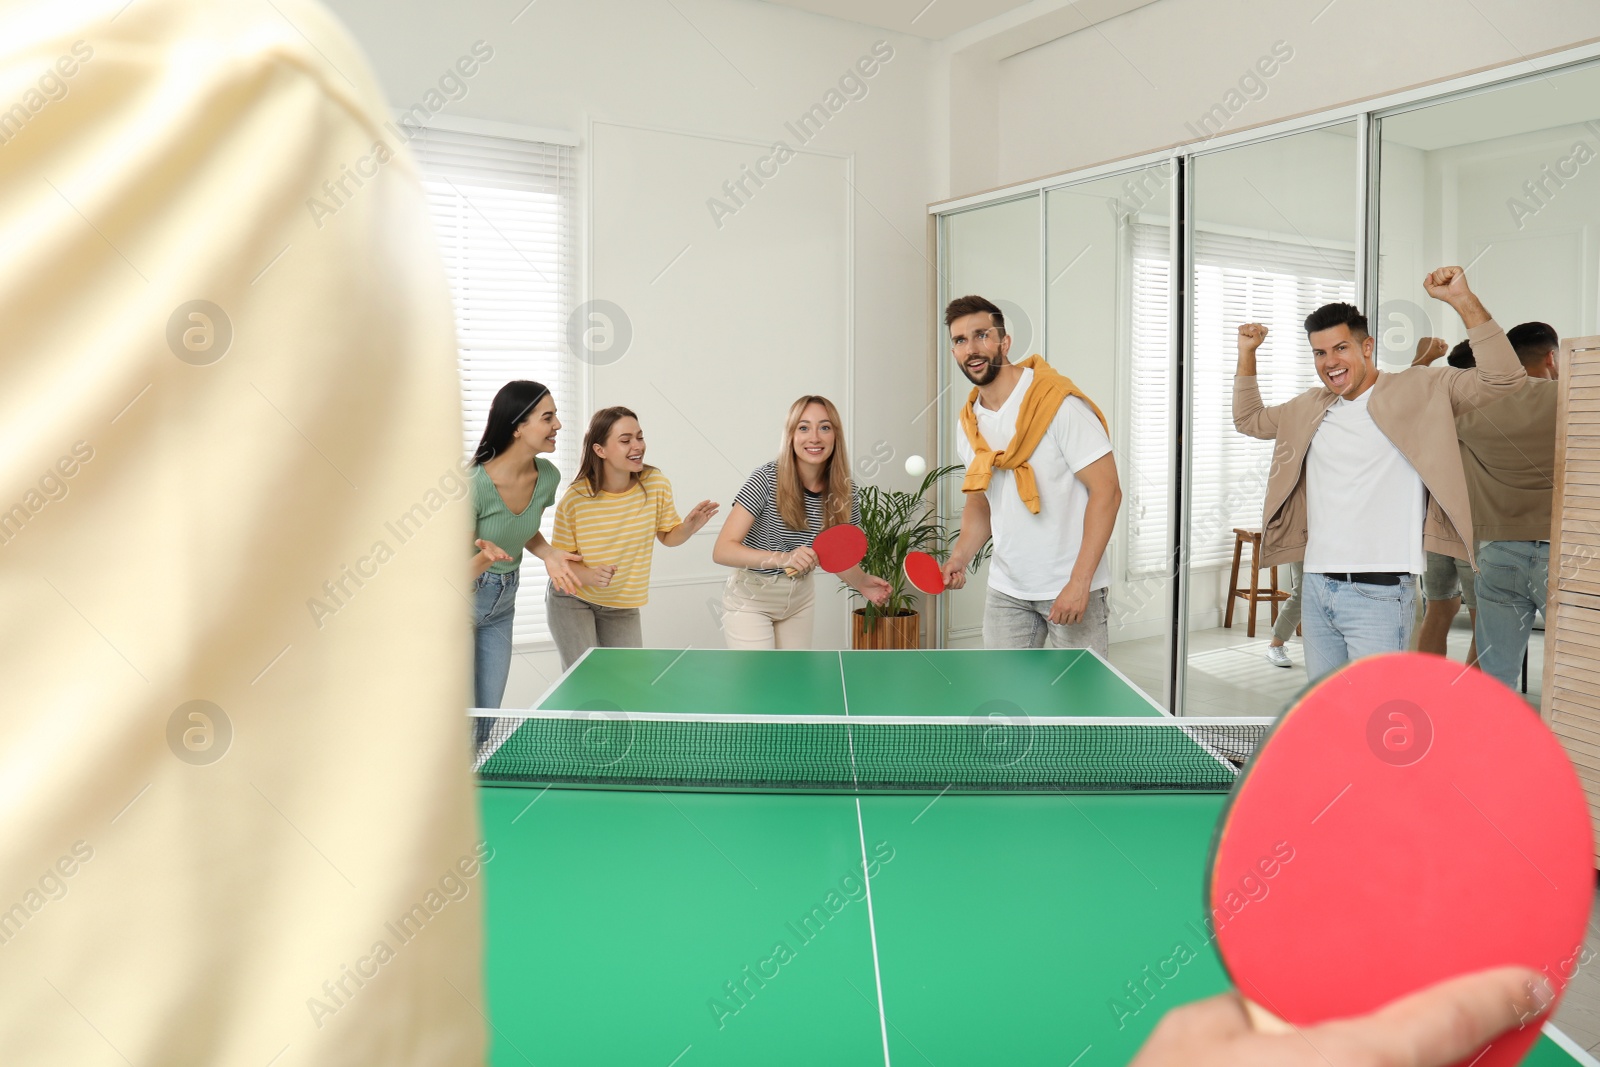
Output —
<point x="1237" y="280"/>
<point x="1149" y="507"/>
<point x="503" y="213"/>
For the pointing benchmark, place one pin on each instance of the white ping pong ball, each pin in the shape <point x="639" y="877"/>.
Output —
<point x="916" y="466"/>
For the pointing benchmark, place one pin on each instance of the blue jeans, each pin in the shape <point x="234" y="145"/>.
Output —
<point x="1512" y="577"/>
<point x="1344" y="621"/>
<point x="494" y="604"/>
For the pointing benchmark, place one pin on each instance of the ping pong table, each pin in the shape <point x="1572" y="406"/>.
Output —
<point x="644" y="907"/>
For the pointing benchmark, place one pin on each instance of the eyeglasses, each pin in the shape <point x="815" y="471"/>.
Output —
<point x="979" y="337"/>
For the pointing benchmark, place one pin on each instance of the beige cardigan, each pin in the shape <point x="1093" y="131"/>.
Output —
<point x="1508" y="451"/>
<point x="1415" y="408"/>
<point x="240" y="784"/>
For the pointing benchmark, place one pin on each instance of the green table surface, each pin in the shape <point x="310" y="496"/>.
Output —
<point x="936" y="682"/>
<point x="689" y="929"/>
<point x="1014" y="929"/>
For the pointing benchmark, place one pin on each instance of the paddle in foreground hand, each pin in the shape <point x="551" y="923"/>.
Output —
<point x="838" y="548"/>
<point x="1406" y="821"/>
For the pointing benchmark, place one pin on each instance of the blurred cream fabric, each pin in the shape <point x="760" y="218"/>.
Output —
<point x="181" y="484"/>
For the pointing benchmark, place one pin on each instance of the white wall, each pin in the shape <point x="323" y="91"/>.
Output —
<point x="1539" y="265"/>
<point x="1544" y="269"/>
<point x="1405" y="313"/>
<point x="818" y="281"/>
<point x="1139" y="81"/>
<point x="1452" y="204"/>
<point x="1298" y="188"/>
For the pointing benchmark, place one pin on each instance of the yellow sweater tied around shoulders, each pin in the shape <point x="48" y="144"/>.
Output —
<point x="1039" y="406"/>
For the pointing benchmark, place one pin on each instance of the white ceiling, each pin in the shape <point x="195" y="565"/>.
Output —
<point x="934" y="20"/>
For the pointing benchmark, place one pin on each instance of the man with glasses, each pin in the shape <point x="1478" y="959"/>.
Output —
<point x="1366" y="471"/>
<point x="1041" y="479"/>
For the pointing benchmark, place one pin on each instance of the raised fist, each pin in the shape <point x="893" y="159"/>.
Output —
<point x="1430" y="349"/>
<point x="1447" y="284"/>
<point x="1251" y="334"/>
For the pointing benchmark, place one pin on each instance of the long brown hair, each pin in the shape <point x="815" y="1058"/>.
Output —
<point x="591" y="468"/>
<point x="836" y="472"/>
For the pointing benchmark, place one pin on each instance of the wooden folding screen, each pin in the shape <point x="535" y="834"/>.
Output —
<point x="1571" y="701"/>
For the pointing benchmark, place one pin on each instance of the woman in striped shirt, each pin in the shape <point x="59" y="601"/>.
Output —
<point x="612" y="515"/>
<point x="776" y="515"/>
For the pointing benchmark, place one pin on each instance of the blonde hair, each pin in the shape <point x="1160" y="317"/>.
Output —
<point x="836" y="472"/>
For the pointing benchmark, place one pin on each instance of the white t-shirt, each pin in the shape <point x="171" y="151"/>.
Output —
<point x="1034" y="554"/>
<point x="1364" y="500"/>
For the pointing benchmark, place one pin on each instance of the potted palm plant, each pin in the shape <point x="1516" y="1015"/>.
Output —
<point x="898" y="523"/>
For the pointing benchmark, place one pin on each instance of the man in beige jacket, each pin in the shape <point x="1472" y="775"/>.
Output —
<point x="1508" y="450"/>
<point x="1366" y="473"/>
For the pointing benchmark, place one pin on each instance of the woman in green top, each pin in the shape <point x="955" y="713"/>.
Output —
<point x="511" y="487"/>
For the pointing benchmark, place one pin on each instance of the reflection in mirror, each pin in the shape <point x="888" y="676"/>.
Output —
<point x="1507" y="184"/>
<point x="1106" y="264"/>
<point x="1275" y="227"/>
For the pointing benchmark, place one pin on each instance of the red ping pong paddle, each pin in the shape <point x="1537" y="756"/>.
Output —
<point x="924" y="572"/>
<point x="1406" y="821"/>
<point x="838" y="548"/>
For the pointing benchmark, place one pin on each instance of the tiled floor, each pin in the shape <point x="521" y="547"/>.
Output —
<point x="1229" y="673"/>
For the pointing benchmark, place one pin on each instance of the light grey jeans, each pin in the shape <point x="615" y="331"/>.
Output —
<point x="1012" y="623"/>
<point x="577" y="625"/>
<point x="1289" y="614"/>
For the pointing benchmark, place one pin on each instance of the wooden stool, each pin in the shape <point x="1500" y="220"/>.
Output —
<point x="1255" y="594"/>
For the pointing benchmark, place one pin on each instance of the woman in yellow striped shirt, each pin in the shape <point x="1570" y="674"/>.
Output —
<point x="616" y="509"/>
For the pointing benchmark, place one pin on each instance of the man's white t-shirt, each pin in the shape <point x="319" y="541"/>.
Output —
<point x="1034" y="554"/>
<point x="1364" y="500"/>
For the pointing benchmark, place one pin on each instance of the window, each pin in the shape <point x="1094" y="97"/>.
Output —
<point x="1237" y="280"/>
<point x="503" y="213"/>
<point x="1149" y="492"/>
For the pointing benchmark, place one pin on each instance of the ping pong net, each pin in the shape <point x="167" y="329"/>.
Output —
<point x="605" y="748"/>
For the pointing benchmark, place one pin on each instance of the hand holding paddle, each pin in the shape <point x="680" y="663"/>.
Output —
<point x="1442" y="1025"/>
<point x="801" y="561"/>
<point x="838" y="548"/>
<point x="1406" y="822"/>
